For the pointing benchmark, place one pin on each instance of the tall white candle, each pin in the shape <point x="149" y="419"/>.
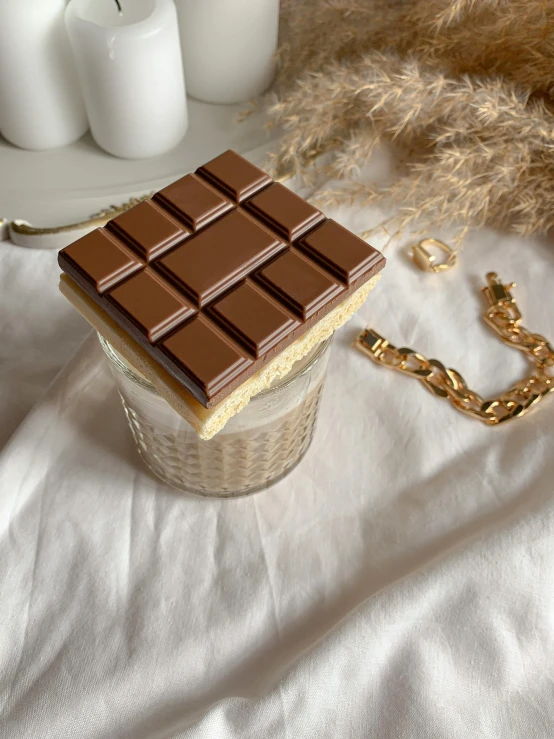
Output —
<point x="40" y="102"/>
<point x="130" y="67"/>
<point x="228" y="47"/>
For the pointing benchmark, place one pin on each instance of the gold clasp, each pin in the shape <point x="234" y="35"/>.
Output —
<point x="371" y="343"/>
<point x="499" y="295"/>
<point x="427" y="261"/>
<point x="495" y="291"/>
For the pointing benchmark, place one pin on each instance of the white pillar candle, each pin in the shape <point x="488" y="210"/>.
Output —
<point x="130" y="67"/>
<point x="40" y="102"/>
<point x="228" y="47"/>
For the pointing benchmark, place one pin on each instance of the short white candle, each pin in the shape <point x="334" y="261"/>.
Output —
<point x="130" y="67"/>
<point x="40" y="102"/>
<point x="228" y="47"/>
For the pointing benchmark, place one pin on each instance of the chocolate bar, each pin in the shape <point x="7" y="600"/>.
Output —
<point x="219" y="272"/>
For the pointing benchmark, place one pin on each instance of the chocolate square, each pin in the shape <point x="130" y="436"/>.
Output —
<point x="99" y="259"/>
<point x="284" y="211"/>
<point x="151" y="304"/>
<point x="253" y="318"/>
<point x="299" y="284"/>
<point x="340" y="251"/>
<point x="193" y="201"/>
<point x="148" y="230"/>
<point x="235" y="176"/>
<point x="205" y="355"/>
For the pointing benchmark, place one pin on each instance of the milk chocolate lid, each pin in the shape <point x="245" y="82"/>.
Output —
<point x="219" y="272"/>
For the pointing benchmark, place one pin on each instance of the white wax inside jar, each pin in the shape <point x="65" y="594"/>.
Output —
<point x="41" y="106"/>
<point x="130" y="67"/>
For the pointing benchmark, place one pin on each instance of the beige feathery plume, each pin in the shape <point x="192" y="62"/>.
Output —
<point x="466" y="84"/>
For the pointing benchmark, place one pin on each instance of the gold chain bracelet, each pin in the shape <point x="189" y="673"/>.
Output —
<point x="504" y="317"/>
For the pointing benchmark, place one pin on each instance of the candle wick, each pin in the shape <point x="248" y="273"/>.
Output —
<point x="119" y="7"/>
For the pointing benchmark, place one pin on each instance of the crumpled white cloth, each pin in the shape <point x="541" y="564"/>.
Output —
<point x="398" y="584"/>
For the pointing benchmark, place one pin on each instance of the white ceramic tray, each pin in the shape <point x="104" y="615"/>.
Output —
<point x="56" y="187"/>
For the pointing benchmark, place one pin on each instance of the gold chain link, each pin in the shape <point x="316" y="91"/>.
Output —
<point x="504" y="317"/>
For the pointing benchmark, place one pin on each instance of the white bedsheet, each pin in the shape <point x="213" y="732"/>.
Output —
<point x="399" y="584"/>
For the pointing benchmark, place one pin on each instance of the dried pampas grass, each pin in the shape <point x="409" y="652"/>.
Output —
<point x="464" y="84"/>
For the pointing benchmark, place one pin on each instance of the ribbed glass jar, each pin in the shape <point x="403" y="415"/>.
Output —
<point x="257" y="447"/>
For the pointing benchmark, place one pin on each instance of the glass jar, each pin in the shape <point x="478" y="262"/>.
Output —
<point x="255" y="449"/>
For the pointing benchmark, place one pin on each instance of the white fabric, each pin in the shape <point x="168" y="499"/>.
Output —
<point x="398" y="584"/>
